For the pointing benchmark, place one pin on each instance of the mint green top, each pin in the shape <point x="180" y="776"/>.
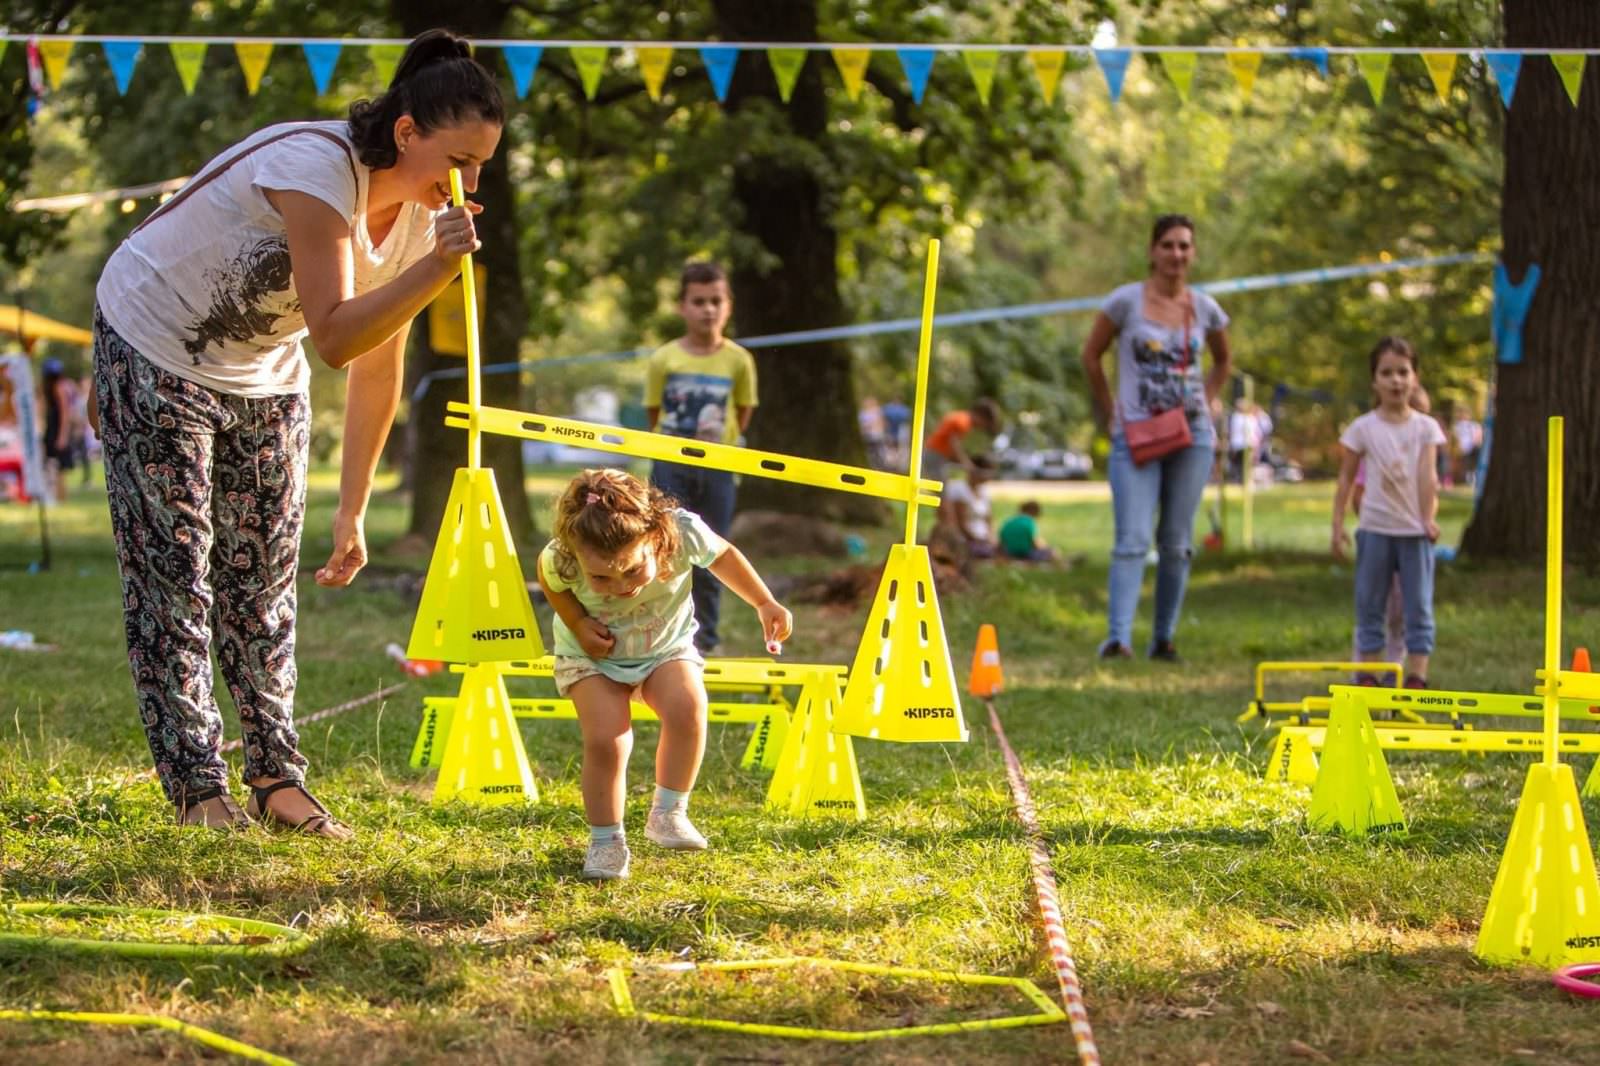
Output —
<point x="651" y="628"/>
<point x="1017" y="535"/>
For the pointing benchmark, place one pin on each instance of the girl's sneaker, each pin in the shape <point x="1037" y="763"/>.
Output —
<point x="1413" y="681"/>
<point x="607" y="860"/>
<point x="672" y="829"/>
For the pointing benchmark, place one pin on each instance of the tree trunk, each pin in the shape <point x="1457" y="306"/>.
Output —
<point x="436" y="450"/>
<point x="807" y="393"/>
<point x="1549" y="207"/>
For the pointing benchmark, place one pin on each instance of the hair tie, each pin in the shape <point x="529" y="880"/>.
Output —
<point x="593" y="497"/>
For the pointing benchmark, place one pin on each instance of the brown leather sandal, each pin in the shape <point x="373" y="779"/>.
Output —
<point x="236" y="818"/>
<point x="321" y="824"/>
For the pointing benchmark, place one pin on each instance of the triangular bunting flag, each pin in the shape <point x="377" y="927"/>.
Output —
<point x="1570" y="67"/>
<point x="1354" y="793"/>
<point x="253" y="56"/>
<point x="1506" y="66"/>
<point x="385" y="57"/>
<point x="591" y="62"/>
<point x="322" y="57"/>
<point x="981" y="64"/>
<point x="918" y="64"/>
<point x="484" y="761"/>
<point x="1047" y="66"/>
<point x="720" y="60"/>
<point x="1317" y="56"/>
<point x="1114" y="65"/>
<point x="522" y="60"/>
<point x="1180" y="68"/>
<point x="786" y="64"/>
<point x="1374" y="67"/>
<point x="903" y="685"/>
<point x="54" y="55"/>
<point x="852" y="63"/>
<point x="122" y="55"/>
<point x="1441" y="70"/>
<point x="1245" y="67"/>
<point x="653" y="66"/>
<point x="189" y="57"/>
<point x="475" y="606"/>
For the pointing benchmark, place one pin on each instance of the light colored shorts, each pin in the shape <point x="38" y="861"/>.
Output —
<point x="570" y="669"/>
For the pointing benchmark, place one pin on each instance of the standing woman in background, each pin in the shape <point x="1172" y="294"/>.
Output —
<point x="1162" y="435"/>
<point x="342" y="231"/>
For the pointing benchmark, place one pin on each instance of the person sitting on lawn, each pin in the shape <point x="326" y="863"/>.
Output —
<point x="1019" y="536"/>
<point x="966" y="508"/>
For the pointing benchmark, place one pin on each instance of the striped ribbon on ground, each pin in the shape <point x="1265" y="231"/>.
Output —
<point x="329" y="712"/>
<point x="1044" y="884"/>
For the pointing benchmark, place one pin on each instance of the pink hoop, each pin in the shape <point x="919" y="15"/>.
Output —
<point x="1573" y="979"/>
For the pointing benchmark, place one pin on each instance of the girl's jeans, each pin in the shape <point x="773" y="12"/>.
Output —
<point x="1379" y="557"/>
<point x="1173" y="486"/>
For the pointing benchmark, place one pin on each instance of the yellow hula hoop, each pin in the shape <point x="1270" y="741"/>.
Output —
<point x="280" y="940"/>
<point x="184" y="1029"/>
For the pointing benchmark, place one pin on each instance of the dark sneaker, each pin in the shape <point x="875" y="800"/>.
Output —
<point x="1413" y="681"/>
<point x="1111" y="649"/>
<point x="1162" y="651"/>
<point x="1368" y="681"/>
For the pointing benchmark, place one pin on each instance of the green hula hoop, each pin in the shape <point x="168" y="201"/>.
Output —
<point x="184" y="1029"/>
<point x="281" y="939"/>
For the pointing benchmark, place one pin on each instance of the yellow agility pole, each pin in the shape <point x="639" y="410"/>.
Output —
<point x="919" y="407"/>
<point x="1555" y="514"/>
<point x="469" y="290"/>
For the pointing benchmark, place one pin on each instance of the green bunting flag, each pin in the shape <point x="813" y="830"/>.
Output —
<point x="1374" y="67"/>
<point x="852" y="68"/>
<point x="188" y="56"/>
<point x="1441" y="69"/>
<point x="653" y="64"/>
<point x="590" y="61"/>
<point x="1245" y="67"/>
<point x="1180" y="68"/>
<point x="1047" y="65"/>
<point x="1570" y="67"/>
<point x="253" y="57"/>
<point x="385" y="57"/>
<point x="786" y="64"/>
<point x="982" y="65"/>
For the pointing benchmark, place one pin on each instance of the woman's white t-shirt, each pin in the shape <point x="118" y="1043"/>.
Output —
<point x="205" y="289"/>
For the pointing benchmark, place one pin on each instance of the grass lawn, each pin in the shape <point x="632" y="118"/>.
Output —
<point x="1209" y="923"/>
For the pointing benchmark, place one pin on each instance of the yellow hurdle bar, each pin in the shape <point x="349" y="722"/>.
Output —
<point x="1554" y="512"/>
<point x="1573" y="685"/>
<point x="642" y="444"/>
<point x="1440" y="701"/>
<point x="1412" y="738"/>
<point x="718" y="672"/>
<point x="1261" y="707"/>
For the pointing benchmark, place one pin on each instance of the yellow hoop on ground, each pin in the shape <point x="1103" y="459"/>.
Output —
<point x="183" y="1029"/>
<point x="1049" y="1013"/>
<point x="281" y="939"/>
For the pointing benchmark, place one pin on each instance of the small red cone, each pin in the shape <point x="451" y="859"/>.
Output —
<point x="1580" y="661"/>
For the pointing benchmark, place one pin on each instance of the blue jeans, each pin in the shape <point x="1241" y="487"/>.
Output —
<point x="709" y="494"/>
<point x="1379" y="556"/>
<point x="1175" y="485"/>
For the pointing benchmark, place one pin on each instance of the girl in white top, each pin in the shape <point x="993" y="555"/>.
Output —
<point x="336" y="231"/>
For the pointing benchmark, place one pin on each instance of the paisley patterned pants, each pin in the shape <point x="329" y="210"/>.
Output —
<point x="207" y="494"/>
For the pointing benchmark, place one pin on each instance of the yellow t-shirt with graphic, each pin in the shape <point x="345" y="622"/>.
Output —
<point x="699" y="394"/>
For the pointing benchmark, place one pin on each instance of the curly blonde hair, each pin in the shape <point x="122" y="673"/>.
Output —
<point x="606" y="511"/>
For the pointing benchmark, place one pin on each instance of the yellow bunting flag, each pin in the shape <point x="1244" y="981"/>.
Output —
<point x="981" y="64"/>
<point x="1441" y="68"/>
<point x="786" y="64"/>
<point x="852" y="68"/>
<point x="1047" y="64"/>
<point x="54" y="53"/>
<point x="385" y="57"/>
<point x="1245" y="67"/>
<point x="1570" y="67"/>
<point x="188" y="55"/>
<point x="653" y="64"/>
<point x="1180" y="68"/>
<point x="1374" y="67"/>
<point x="591" y="61"/>
<point x="253" y="56"/>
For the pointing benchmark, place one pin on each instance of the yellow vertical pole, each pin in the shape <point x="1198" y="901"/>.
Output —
<point x="919" y="407"/>
<point x="1554" y="512"/>
<point x="469" y="290"/>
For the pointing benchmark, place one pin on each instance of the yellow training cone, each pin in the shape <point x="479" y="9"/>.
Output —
<point x="1354" y="792"/>
<point x="826" y="782"/>
<point x="475" y="606"/>
<point x="902" y="685"/>
<point x="428" y="749"/>
<point x="1292" y="759"/>
<point x="766" y="743"/>
<point x="484" y="761"/>
<point x="1544" y="908"/>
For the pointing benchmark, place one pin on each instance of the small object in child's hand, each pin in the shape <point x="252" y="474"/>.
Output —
<point x="774" y="647"/>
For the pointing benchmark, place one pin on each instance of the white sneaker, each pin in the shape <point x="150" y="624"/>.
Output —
<point x="672" y="829"/>
<point x="607" y="860"/>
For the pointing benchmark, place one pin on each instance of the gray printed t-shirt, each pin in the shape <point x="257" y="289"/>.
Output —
<point x="1149" y="357"/>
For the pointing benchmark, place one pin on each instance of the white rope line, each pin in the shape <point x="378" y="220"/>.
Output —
<point x="1044" y="885"/>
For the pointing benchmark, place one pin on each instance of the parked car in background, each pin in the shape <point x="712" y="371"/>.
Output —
<point x="1061" y="464"/>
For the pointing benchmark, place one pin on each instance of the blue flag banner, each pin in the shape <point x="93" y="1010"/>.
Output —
<point x="719" y="61"/>
<point x="1114" y="65"/>
<point x="523" y="60"/>
<point x="1506" y="66"/>
<point x="122" y="55"/>
<point x="1319" y="56"/>
<point x="1510" y="311"/>
<point x="322" y="56"/>
<point x="918" y="64"/>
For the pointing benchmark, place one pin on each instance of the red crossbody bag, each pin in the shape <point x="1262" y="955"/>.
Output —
<point x="1164" y="432"/>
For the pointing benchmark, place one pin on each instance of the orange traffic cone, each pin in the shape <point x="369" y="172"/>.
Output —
<point x="1580" y="661"/>
<point x="985" y="679"/>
